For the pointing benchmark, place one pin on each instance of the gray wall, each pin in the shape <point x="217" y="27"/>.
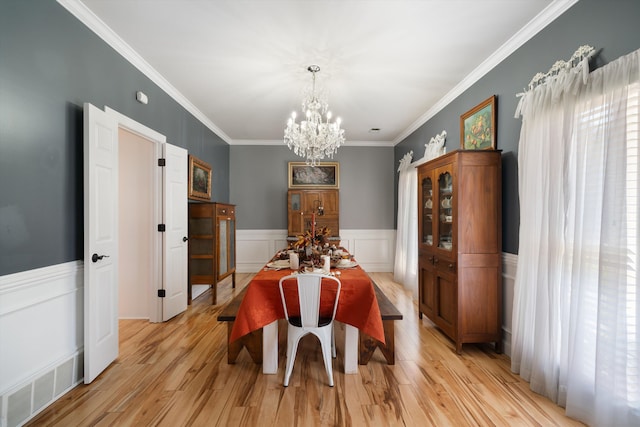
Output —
<point x="50" y="64"/>
<point x="259" y="186"/>
<point x="611" y="27"/>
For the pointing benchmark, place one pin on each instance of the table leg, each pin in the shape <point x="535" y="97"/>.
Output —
<point x="270" y="348"/>
<point x="350" y="349"/>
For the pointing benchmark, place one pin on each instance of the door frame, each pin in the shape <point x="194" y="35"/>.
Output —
<point x="158" y="140"/>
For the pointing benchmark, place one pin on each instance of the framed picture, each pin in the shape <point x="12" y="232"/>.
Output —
<point x="478" y="126"/>
<point x="199" y="179"/>
<point x="325" y="175"/>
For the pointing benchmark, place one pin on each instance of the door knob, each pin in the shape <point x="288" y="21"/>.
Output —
<point x="96" y="257"/>
<point x="185" y="238"/>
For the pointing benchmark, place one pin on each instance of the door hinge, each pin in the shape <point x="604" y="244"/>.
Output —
<point x="162" y="228"/>
<point x="162" y="293"/>
<point x="162" y="162"/>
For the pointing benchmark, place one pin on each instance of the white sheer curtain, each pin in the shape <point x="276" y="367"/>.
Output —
<point x="405" y="269"/>
<point x="576" y="301"/>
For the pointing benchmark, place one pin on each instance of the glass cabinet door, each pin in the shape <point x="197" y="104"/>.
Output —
<point x="445" y="209"/>
<point x="232" y="244"/>
<point x="222" y="248"/>
<point x="427" y="211"/>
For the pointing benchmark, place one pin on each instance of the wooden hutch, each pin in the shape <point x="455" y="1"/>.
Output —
<point x="212" y="245"/>
<point x="460" y="245"/>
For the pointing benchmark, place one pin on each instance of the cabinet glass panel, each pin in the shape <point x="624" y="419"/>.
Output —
<point x="201" y="247"/>
<point x="445" y="206"/>
<point x="232" y="244"/>
<point x="222" y="249"/>
<point x="295" y="201"/>
<point x="200" y="267"/>
<point x="427" y="212"/>
<point x="201" y="226"/>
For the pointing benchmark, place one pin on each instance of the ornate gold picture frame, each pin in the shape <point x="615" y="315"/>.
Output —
<point x="478" y="126"/>
<point x="199" y="179"/>
<point x="324" y="175"/>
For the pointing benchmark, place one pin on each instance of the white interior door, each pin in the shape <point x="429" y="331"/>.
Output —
<point x="175" y="248"/>
<point x="100" y="241"/>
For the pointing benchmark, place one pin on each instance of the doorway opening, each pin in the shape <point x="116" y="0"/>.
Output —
<point x="136" y="236"/>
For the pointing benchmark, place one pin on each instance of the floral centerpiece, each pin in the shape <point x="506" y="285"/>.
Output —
<point x="311" y="239"/>
<point x="312" y="243"/>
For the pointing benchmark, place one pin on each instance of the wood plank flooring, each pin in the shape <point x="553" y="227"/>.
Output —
<point x="176" y="374"/>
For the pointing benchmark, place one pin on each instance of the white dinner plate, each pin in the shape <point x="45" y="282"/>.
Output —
<point x="279" y="263"/>
<point x="349" y="265"/>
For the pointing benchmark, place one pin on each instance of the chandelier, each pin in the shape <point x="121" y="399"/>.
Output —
<point x="315" y="137"/>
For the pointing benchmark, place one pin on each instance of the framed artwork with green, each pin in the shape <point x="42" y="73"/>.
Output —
<point x="478" y="126"/>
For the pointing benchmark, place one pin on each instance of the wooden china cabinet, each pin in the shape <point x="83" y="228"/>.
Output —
<point x="301" y="204"/>
<point x="460" y="245"/>
<point x="212" y="245"/>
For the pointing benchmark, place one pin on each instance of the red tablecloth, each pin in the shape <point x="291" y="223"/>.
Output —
<point x="357" y="305"/>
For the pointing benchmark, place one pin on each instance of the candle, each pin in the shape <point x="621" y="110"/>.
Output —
<point x="313" y="228"/>
<point x="293" y="261"/>
<point x="326" y="264"/>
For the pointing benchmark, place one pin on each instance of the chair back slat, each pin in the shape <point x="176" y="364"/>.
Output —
<point x="309" y="286"/>
<point x="309" y="297"/>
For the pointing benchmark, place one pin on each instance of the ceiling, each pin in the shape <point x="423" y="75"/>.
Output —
<point x="240" y="66"/>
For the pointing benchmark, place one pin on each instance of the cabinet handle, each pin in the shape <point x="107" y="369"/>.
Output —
<point x="431" y="259"/>
<point x="185" y="238"/>
<point x="436" y="260"/>
<point x="451" y="266"/>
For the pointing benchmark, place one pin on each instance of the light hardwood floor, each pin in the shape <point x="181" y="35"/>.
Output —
<point x="176" y="374"/>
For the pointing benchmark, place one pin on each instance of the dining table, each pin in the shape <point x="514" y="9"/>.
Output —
<point x="261" y="308"/>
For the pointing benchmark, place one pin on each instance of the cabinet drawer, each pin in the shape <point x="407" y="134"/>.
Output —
<point x="442" y="264"/>
<point x="226" y="211"/>
<point x="446" y="266"/>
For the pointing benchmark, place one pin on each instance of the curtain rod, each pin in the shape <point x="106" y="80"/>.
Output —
<point x="583" y="52"/>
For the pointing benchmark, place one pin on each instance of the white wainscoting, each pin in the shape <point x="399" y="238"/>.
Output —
<point x="41" y="330"/>
<point x="374" y="249"/>
<point x="509" y="266"/>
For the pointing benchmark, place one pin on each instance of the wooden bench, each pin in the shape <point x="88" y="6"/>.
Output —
<point x="252" y="341"/>
<point x="367" y="345"/>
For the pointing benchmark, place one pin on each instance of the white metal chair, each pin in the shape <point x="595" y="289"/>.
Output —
<point x="310" y="320"/>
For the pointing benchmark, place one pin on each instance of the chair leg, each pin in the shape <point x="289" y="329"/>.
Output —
<point x="326" y="354"/>
<point x="333" y="343"/>
<point x="289" y="340"/>
<point x="291" y="358"/>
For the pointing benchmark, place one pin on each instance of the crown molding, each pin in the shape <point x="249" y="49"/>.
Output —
<point x="102" y="30"/>
<point x="544" y="18"/>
